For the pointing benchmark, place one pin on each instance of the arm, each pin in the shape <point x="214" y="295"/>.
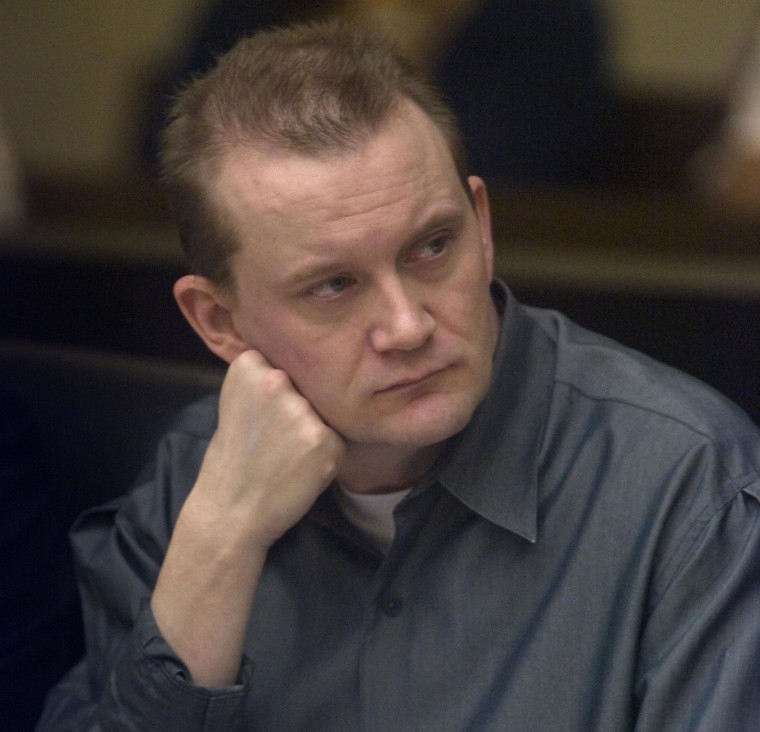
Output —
<point x="267" y="463"/>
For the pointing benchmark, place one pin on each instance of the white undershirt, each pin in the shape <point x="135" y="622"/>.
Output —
<point x="372" y="513"/>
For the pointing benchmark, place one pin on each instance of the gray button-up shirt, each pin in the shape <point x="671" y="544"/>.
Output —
<point x="585" y="556"/>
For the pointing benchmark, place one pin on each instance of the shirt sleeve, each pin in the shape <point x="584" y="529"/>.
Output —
<point x="130" y="678"/>
<point x="700" y="644"/>
<point x="148" y="689"/>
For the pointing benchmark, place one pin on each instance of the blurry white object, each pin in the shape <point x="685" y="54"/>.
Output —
<point x="743" y="121"/>
<point x="729" y="168"/>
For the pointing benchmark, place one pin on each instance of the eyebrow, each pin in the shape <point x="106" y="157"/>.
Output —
<point x="308" y="274"/>
<point x="450" y="215"/>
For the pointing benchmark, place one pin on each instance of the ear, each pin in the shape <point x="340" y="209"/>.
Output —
<point x="483" y="212"/>
<point x="209" y="311"/>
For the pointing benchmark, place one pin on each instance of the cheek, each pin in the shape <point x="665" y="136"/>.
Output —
<point x="315" y="355"/>
<point x="267" y="330"/>
<point x="321" y="365"/>
<point x="466" y="305"/>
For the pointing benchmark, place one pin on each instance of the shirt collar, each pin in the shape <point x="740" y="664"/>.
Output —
<point x="492" y="466"/>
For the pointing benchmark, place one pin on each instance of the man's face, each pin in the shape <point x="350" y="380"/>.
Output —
<point x="365" y="276"/>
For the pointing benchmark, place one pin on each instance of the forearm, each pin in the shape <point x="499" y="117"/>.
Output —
<point x="132" y="679"/>
<point x="197" y="555"/>
<point x="205" y="589"/>
<point x="268" y="461"/>
<point x="147" y="692"/>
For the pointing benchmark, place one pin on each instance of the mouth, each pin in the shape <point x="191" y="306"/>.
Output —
<point x="411" y="382"/>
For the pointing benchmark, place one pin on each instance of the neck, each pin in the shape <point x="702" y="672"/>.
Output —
<point x="385" y="470"/>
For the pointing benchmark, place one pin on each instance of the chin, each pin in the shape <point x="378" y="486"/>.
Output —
<point x="429" y="422"/>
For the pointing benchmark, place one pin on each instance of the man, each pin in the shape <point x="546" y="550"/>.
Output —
<point x="421" y="506"/>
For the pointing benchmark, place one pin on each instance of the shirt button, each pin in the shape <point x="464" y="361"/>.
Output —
<point x="391" y="605"/>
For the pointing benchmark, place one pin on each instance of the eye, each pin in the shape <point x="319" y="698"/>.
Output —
<point x="437" y="246"/>
<point x="331" y="288"/>
<point x="431" y="249"/>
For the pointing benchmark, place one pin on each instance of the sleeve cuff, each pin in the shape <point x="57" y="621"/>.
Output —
<point x="152" y="685"/>
<point x="154" y="647"/>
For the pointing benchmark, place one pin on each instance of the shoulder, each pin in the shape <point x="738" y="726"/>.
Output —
<point x="197" y="420"/>
<point x="657" y="414"/>
<point x="152" y="505"/>
<point x="602" y="369"/>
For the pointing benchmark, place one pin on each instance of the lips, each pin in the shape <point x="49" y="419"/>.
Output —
<point x="410" y="382"/>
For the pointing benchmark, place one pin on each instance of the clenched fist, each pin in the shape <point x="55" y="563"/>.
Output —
<point x="271" y="455"/>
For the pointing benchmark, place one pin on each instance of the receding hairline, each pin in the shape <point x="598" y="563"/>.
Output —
<point x="211" y="119"/>
<point x="404" y="111"/>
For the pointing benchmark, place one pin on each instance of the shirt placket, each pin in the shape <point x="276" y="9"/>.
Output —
<point x="384" y="664"/>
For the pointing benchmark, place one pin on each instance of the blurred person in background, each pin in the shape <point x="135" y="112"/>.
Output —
<point x="216" y="28"/>
<point x="527" y="80"/>
<point x="728" y="169"/>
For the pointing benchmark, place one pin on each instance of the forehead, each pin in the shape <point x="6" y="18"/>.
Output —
<point x="406" y="164"/>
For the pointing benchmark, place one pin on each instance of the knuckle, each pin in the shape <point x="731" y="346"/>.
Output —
<point x="246" y="361"/>
<point x="274" y="381"/>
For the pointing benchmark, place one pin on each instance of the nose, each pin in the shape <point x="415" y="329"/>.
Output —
<point x="400" y="321"/>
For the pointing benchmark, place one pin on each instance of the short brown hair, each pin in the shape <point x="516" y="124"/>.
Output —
<point x="311" y="89"/>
